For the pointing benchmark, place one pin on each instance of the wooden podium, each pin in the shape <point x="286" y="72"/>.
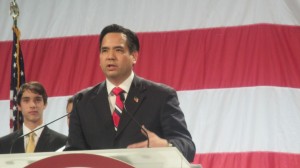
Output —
<point x="168" y="157"/>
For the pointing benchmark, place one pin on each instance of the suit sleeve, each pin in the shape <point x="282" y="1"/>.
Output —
<point x="175" y="128"/>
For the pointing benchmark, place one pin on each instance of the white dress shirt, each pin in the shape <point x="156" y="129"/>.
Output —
<point x="124" y="85"/>
<point x="38" y="133"/>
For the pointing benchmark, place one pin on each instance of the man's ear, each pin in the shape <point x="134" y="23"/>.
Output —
<point x="135" y="56"/>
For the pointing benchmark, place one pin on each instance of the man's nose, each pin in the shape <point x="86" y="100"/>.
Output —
<point x="111" y="55"/>
<point x="32" y="104"/>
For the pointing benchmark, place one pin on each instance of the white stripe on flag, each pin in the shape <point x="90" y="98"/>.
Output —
<point x="58" y="18"/>
<point x="243" y="119"/>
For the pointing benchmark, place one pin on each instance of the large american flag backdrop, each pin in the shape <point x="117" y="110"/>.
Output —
<point x="235" y="65"/>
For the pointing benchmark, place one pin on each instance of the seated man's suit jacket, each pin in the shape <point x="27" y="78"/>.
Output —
<point x="49" y="141"/>
<point x="153" y="105"/>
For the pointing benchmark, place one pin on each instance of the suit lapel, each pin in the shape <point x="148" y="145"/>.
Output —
<point x="133" y="101"/>
<point x="43" y="141"/>
<point x="101" y="106"/>
<point x="19" y="144"/>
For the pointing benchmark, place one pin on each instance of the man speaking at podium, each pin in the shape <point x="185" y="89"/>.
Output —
<point x="125" y="110"/>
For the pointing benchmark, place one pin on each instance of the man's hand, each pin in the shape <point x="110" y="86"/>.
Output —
<point x="154" y="140"/>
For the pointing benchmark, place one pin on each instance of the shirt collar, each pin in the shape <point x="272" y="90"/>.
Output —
<point x="38" y="133"/>
<point x="124" y="85"/>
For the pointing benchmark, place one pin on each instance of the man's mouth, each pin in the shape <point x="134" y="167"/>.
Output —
<point x="111" y="66"/>
<point x="33" y="112"/>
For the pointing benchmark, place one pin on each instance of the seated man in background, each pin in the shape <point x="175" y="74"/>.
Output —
<point x="32" y="101"/>
<point x="69" y="108"/>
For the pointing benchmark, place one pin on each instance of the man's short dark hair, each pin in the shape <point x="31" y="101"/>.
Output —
<point x="132" y="39"/>
<point x="70" y="100"/>
<point x="34" y="87"/>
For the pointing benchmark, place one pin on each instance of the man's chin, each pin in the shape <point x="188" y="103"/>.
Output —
<point x="112" y="75"/>
<point x="35" y="120"/>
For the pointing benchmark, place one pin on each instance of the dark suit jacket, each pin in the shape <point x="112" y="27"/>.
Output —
<point x="154" y="105"/>
<point x="48" y="141"/>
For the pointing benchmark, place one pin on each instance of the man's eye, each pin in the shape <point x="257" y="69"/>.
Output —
<point x="103" y="50"/>
<point x="119" y="50"/>
<point x="26" y="100"/>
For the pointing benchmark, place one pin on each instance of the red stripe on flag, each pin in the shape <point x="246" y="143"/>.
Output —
<point x="240" y="56"/>
<point x="249" y="160"/>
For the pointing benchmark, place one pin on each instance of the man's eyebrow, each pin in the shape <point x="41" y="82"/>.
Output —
<point x="104" y="47"/>
<point x="117" y="47"/>
<point x="27" y="97"/>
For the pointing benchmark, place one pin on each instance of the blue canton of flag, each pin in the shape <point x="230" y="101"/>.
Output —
<point x="17" y="79"/>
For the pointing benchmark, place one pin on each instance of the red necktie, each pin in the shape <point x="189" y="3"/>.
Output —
<point x="118" y="107"/>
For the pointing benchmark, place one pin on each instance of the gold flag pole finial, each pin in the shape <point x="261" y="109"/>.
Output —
<point x="14" y="11"/>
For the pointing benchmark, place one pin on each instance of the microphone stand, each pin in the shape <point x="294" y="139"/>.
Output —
<point x="129" y="114"/>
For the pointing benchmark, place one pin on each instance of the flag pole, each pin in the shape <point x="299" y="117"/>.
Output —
<point x="14" y="11"/>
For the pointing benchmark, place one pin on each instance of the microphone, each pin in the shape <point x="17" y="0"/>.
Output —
<point x="122" y="97"/>
<point x="78" y="98"/>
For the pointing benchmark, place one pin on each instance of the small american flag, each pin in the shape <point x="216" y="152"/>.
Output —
<point x="17" y="79"/>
